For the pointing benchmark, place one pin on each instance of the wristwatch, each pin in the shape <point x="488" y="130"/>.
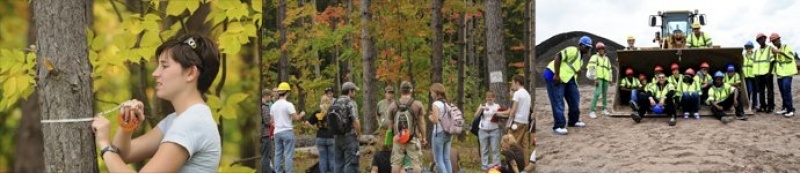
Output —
<point x="109" y="148"/>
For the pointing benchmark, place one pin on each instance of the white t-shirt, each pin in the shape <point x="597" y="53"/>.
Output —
<point x="438" y="126"/>
<point x="523" y="99"/>
<point x="488" y="113"/>
<point x="196" y="131"/>
<point x="282" y="112"/>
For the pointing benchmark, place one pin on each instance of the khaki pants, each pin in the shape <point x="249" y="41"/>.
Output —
<point x="520" y="133"/>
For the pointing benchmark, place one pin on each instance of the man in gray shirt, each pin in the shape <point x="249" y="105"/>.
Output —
<point x="346" y="146"/>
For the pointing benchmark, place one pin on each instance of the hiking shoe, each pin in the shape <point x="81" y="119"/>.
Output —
<point x="605" y="112"/>
<point x="697" y="115"/>
<point x="580" y="124"/>
<point x="685" y="115"/>
<point x="592" y="115"/>
<point x="672" y="121"/>
<point x="782" y="111"/>
<point x="789" y="115"/>
<point x="725" y="119"/>
<point x="634" y="106"/>
<point x="636" y="117"/>
<point x="561" y="131"/>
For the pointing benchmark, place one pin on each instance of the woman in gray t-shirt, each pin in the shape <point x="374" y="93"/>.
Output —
<point x="184" y="141"/>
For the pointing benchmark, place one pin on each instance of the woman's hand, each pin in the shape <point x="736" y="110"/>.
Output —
<point x="132" y="109"/>
<point x="100" y="127"/>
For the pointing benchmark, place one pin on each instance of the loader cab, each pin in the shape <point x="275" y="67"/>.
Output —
<point x="670" y="21"/>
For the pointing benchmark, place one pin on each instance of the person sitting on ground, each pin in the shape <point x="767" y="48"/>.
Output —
<point x="629" y="85"/>
<point x="660" y="97"/>
<point x="690" y="95"/>
<point x="513" y="155"/>
<point x="732" y="77"/>
<point x="381" y="162"/>
<point x="722" y="96"/>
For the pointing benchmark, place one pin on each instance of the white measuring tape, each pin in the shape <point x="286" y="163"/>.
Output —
<point x="73" y="120"/>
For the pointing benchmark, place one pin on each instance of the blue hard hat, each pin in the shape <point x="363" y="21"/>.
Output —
<point x="749" y="44"/>
<point x="586" y="41"/>
<point x="731" y="68"/>
<point x="658" y="109"/>
<point x="719" y="74"/>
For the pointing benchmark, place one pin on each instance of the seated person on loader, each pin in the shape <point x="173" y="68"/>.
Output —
<point x="723" y="96"/>
<point x="658" y="98"/>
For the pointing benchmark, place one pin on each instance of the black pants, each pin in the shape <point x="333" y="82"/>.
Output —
<point x="727" y="104"/>
<point x="704" y="95"/>
<point x="765" y="89"/>
<point x="624" y="96"/>
<point x="644" y="103"/>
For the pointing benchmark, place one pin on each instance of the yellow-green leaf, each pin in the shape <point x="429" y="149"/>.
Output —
<point x="150" y="38"/>
<point x="97" y="43"/>
<point x="229" y="43"/>
<point x="250" y="30"/>
<point x="237" y="13"/>
<point x="192" y="5"/>
<point x="214" y="103"/>
<point x="227" y="4"/>
<point x="151" y="22"/>
<point x="10" y="87"/>
<point x="175" y="8"/>
<point x="228" y="113"/>
<point x="235" y="27"/>
<point x="235" y="99"/>
<point x="257" y="5"/>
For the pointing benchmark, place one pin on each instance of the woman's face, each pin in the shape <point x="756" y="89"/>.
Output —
<point x="170" y="77"/>
<point x="490" y="99"/>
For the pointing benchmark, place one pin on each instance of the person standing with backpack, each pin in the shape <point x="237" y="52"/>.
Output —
<point x="283" y="113"/>
<point x="343" y="123"/>
<point x="266" y="133"/>
<point x="441" y="139"/>
<point x="408" y="124"/>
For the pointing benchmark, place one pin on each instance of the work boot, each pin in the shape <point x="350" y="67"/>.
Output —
<point x="634" y="106"/>
<point x="636" y="117"/>
<point x="673" y="120"/>
<point x="725" y="119"/>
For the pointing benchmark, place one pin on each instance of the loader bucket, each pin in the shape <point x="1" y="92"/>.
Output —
<point x="643" y="61"/>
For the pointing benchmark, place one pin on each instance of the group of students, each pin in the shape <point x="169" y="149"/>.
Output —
<point x="664" y="94"/>
<point x="402" y="123"/>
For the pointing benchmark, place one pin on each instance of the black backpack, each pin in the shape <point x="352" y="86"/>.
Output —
<point x="339" y="117"/>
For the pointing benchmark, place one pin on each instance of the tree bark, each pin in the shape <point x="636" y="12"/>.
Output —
<point x="368" y="56"/>
<point x="65" y="92"/>
<point x="462" y="45"/>
<point x="496" y="58"/>
<point x="283" y="65"/>
<point x="438" y="37"/>
<point x="532" y="47"/>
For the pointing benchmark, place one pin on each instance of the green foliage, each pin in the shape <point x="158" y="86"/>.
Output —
<point x="17" y="70"/>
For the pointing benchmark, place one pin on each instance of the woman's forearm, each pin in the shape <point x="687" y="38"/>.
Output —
<point x="122" y="141"/>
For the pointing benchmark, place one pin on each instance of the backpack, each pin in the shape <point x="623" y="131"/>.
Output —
<point x="404" y="118"/>
<point x="338" y="117"/>
<point x="452" y="121"/>
<point x="475" y="125"/>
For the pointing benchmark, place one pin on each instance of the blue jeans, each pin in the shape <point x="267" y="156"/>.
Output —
<point x="345" y="158"/>
<point x="751" y="91"/>
<point x="785" y="86"/>
<point x="441" y="152"/>
<point x="266" y="146"/>
<point x="690" y="101"/>
<point x="634" y="95"/>
<point x="557" y="93"/>
<point x="489" y="140"/>
<point x="325" y="147"/>
<point x="284" y="152"/>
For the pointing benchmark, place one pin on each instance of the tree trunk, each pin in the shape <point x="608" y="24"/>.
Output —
<point x="532" y="72"/>
<point x="283" y="65"/>
<point x="494" y="48"/>
<point x="438" y="37"/>
<point x="65" y="92"/>
<point x="462" y="45"/>
<point x="368" y="59"/>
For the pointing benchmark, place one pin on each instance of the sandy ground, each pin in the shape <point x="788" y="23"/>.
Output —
<point x="765" y="143"/>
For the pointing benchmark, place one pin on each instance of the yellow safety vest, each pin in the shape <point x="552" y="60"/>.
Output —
<point x="688" y="87"/>
<point x="747" y="67"/>
<point x="732" y="79"/>
<point x="675" y="80"/>
<point x="706" y="78"/>
<point x="660" y="92"/>
<point x="718" y="94"/>
<point x="785" y="66"/>
<point x="761" y="63"/>
<point x="570" y="64"/>
<point x="602" y="65"/>
<point x="699" y="42"/>
<point x="631" y="83"/>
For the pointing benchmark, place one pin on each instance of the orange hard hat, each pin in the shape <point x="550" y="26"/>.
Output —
<point x="690" y="72"/>
<point x="759" y="35"/>
<point x="629" y="71"/>
<point x="403" y="136"/>
<point x="704" y="65"/>
<point x="774" y="36"/>
<point x="659" y="68"/>
<point x="674" y="66"/>
<point x="642" y="77"/>
<point x="600" y="45"/>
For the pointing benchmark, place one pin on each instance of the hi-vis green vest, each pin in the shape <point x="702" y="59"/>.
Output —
<point x="689" y="87"/>
<point x="747" y="67"/>
<point x="719" y="94"/>
<point x="699" y="42"/>
<point x="785" y="65"/>
<point x="761" y="63"/>
<point x="732" y="79"/>
<point x="706" y="78"/>
<point x="570" y="64"/>
<point x="660" y="92"/>
<point x="675" y="80"/>
<point x="631" y="83"/>
<point x="602" y="65"/>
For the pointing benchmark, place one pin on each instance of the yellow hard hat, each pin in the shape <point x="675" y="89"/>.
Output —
<point x="284" y="87"/>
<point x="696" y="25"/>
<point x="630" y="37"/>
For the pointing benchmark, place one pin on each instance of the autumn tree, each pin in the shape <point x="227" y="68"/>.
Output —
<point x="495" y="52"/>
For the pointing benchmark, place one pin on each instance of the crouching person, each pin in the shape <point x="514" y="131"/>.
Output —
<point x="658" y="98"/>
<point x="723" y="96"/>
<point x="690" y="98"/>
